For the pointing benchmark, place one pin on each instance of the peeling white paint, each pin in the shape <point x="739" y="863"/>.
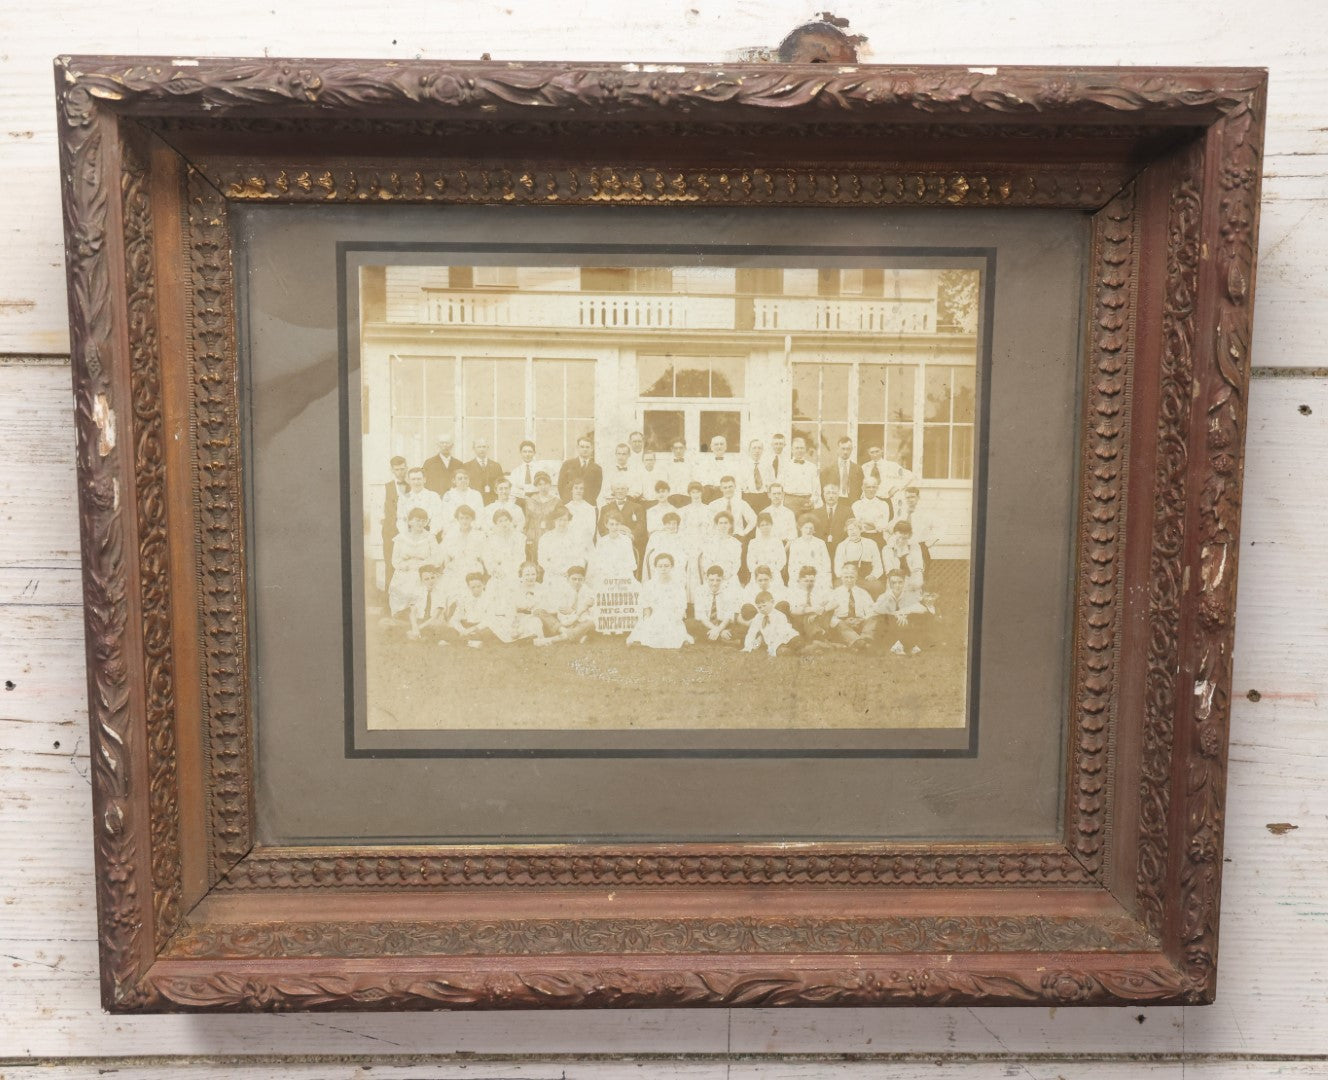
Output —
<point x="104" y="417"/>
<point x="1204" y="690"/>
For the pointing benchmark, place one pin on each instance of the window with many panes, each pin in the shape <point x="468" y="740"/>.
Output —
<point x="886" y="410"/>
<point x="500" y="399"/>
<point x="564" y="406"/>
<point x="493" y="404"/>
<point x="947" y="422"/>
<point x="423" y="404"/>
<point x="669" y="375"/>
<point x="821" y="406"/>
<point x="920" y="415"/>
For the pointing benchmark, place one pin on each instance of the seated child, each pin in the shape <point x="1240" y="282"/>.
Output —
<point x="663" y="609"/>
<point x="763" y="580"/>
<point x="566" y="608"/>
<point x="770" y="630"/>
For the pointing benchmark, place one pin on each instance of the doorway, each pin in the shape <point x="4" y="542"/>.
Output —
<point x="696" y="424"/>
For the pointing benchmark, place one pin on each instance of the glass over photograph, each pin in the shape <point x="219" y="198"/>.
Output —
<point x="667" y="497"/>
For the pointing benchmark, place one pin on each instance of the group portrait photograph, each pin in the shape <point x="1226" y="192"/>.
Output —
<point x="667" y="496"/>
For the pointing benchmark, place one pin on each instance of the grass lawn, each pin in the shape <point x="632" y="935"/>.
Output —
<point x="603" y="684"/>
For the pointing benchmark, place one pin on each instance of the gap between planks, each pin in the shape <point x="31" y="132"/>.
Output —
<point x="583" y="1058"/>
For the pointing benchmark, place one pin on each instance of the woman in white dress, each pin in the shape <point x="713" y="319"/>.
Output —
<point x="462" y="551"/>
<point x="504" y="552"/>
<point x="666" y="539"/>
<point x="409" y="552"/>
<point x="560" y="548"/>
<point x="808" y="549"/>
<point x="614" y="555"/>
<point x="663" y="608"/>
<point x="513" y="617"/>
<point x="585" y="518"/>
<point x="766" y="549"/>
<point x="721" y="548"/>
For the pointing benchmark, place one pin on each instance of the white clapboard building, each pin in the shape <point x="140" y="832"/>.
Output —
<point x="554" y="353"/>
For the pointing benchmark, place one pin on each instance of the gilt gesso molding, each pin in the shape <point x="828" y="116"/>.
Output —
<point x="1203" y="739"/>
<point x="89" y="160"/>
<point x="154" y="575"/>
<point x="1103" y="473"/>
<point x="552" y="937"/>
<point x="552" y="987"/>
<point x="543" y="184"/>
<point x="699" y="864"/>
<point x="219" y="528"/>
<point x="1167" y="558"/>
<point x="403" y="88"/>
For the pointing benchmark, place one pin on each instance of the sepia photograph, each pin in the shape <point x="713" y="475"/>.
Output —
<point x="667" y="496"/>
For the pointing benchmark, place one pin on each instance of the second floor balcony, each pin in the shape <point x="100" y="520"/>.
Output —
<point x="625" y="312"/>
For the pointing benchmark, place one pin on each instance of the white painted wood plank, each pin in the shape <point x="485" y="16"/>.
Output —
<point x="688" y="1070"/>
<point x="1291" y="316"/>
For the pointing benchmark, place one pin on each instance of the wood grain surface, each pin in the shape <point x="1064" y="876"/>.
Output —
<point x="1272" y="1012"/>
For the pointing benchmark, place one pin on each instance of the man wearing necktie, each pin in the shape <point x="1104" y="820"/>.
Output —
<point x="807" y="604"/>
<point x="756" y="482"/>
<point x="583" y="469"/>
<point x="622" y="473"/>
<point x="484" y="472"/>
<point x="428" y="612"/>
<point x="744" y="518"/>
<point x="849" y="607"/>
<point x="523" y="476"/>
<point x="845" y="473"/>
<point x="714" y="610"/>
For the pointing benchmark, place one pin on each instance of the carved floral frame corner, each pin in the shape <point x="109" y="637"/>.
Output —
<point x="1134" y="885"/>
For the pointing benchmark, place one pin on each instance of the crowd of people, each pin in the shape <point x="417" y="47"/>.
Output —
<point x="765" y="551"/>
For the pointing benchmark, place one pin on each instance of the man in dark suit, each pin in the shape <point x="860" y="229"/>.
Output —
<point x="845" y="473"/>
<point x="392" y="491"/>
<point x="633" y="515"/>
<point x="830" y="520"/>
<point x="441" y="468"/>
<point x="582" y="468"/>
<point x="484" y="472"/>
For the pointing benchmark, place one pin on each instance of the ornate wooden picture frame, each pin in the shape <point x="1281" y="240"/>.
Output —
<point x="1123" y="907"/>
